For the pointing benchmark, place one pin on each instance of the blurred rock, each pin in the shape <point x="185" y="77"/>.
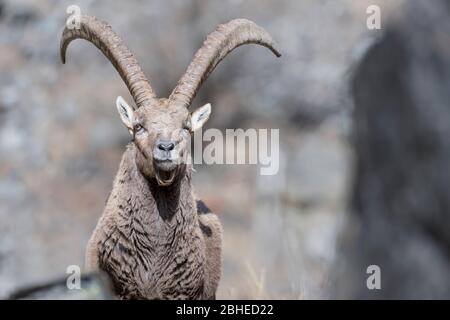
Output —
<point x="93" y="287"/>
<point x="401" y="193"/>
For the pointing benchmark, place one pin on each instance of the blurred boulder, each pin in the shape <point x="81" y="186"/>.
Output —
<point x="93" y="287"/>
<point x="401" y="193"/>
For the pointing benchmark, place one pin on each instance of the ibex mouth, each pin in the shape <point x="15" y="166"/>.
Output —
<point x="165" y="178"/>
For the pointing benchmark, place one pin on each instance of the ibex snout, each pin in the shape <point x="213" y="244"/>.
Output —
<point x="164" y="145"/>
<point x="166" y="161"/>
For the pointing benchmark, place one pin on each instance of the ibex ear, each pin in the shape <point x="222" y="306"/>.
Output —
<point x="126" y="113"/>
<point x="200" y="116"/>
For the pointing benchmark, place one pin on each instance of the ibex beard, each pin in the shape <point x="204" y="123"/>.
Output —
<point x="155" y="238"/>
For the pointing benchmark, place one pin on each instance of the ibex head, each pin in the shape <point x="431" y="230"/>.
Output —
<point x="161" y="127"/>
<point x="161" y="135"/>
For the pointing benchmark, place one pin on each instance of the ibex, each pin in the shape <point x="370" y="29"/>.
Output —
<point x="155" y="239"/>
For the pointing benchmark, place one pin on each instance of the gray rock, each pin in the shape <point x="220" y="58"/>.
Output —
<point x="93" y="287"/>
<point x="401" y="192"/>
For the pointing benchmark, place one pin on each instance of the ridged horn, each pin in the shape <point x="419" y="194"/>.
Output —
<point x="217" y="45"/>
<point x="111" y="45"/>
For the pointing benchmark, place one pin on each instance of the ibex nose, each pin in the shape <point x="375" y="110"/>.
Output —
<point x="166" y="146"/>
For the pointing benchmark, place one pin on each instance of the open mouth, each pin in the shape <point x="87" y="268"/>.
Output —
<point x="165" y="178"/>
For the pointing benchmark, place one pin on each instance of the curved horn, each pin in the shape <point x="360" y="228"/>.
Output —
<point x="111" y="45"/>
<point x="217" y="45"/>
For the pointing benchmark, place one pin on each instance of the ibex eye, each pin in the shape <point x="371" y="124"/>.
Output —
<point x="187" y="126"/>
<point x="138" y="128"/>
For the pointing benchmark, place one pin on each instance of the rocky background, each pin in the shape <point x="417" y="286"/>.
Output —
<point x="400" y="204"/>
<point x="61" y="138"/>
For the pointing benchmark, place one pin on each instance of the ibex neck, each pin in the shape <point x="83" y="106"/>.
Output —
<point x="170" y="200"/>
<point x="166" y="202"/>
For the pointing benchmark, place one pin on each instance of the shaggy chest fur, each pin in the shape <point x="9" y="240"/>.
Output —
<point x="144" y="269"/>
<point x="153" y="247"/>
